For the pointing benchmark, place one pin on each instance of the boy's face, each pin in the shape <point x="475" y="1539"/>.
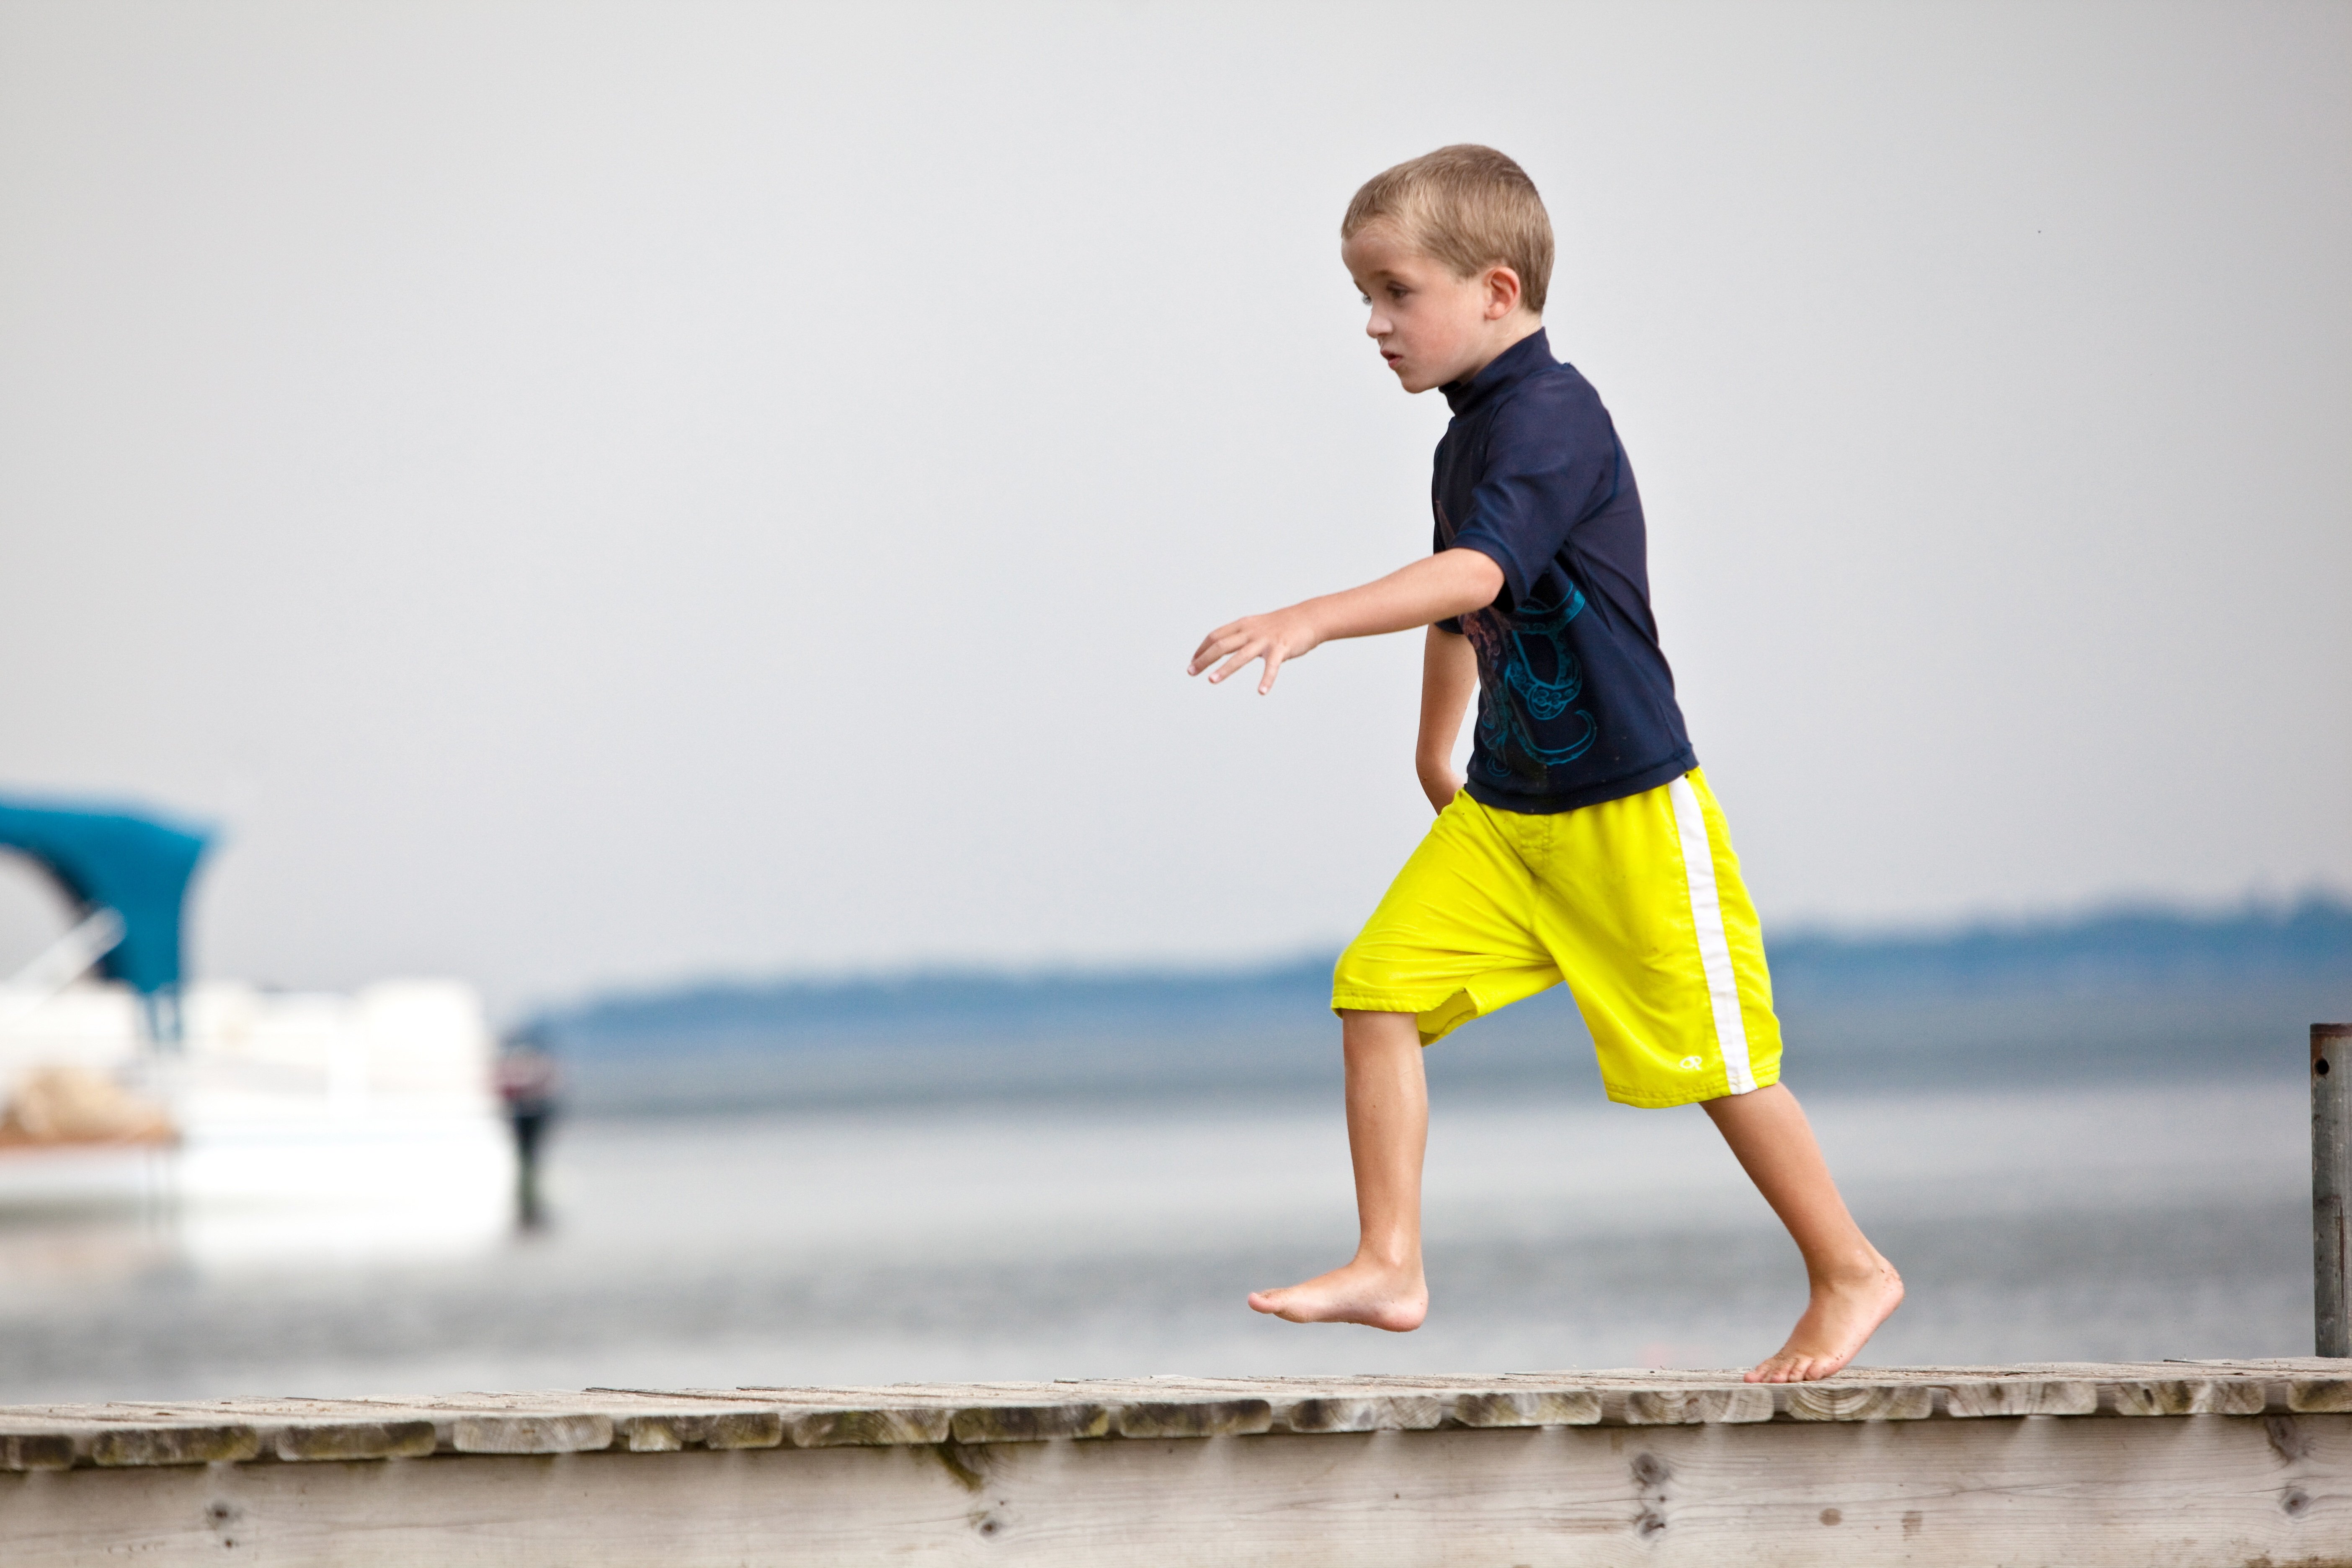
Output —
<point x="1432" y="327"/>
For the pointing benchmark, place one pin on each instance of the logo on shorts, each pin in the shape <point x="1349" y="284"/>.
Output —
<point x="1690" y="1064"/>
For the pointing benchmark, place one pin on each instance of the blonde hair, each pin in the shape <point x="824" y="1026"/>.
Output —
<point x="1470" y="208"/>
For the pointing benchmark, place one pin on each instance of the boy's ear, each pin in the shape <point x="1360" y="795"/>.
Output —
<point x="1503" y="292"/>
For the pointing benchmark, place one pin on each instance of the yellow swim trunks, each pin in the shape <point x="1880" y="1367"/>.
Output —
<point x="1636" y="903"/>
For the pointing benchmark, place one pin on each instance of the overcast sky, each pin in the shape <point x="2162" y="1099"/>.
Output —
<point x="596" y="494"/>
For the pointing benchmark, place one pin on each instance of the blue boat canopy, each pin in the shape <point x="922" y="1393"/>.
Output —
<point x="114" y="859"/>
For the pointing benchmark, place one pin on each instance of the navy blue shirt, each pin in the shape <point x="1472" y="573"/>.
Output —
<point x="1576" y="705"/>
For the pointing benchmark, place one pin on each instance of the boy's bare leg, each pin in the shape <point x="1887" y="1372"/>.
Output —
<point x="1853" y="1289"/>
<point x="1388" y="1131"/>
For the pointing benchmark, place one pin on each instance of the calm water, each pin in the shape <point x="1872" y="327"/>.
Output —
<point x="2153" y="1221"/>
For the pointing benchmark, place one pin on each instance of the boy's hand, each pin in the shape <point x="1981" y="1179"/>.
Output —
<point x="1274" y="637"/>
<point x="1442" y="787"/>
<point x="1435" y="588"/>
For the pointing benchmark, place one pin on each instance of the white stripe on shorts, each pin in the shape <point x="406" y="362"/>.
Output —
<point x="1713" y="945"/>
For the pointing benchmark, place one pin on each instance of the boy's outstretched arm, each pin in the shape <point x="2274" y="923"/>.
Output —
<point x="1449" y="679"/>
<point x="1445" y="585"/>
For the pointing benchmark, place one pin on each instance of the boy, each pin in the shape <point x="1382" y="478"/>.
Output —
<point x="1584" y="844"/>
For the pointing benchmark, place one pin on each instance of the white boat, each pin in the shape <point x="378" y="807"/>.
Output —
<point x="290" y="1123"/>
<point x="251" y="1123"/>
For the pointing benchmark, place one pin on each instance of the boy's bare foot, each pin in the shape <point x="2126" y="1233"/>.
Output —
<point x="1837" y="1323"/>
<point x="1383" y="1295"/>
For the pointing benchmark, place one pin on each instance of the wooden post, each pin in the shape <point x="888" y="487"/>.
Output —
<point x="2331" y="1187"/>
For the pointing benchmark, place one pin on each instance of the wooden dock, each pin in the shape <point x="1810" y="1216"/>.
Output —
<point x="2145" y="1464"/>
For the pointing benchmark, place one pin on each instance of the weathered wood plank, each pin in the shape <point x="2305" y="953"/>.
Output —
<point x="324" y="1440"/>
<point x="1736" y="1403"/>
<point x="1860" y="1402"/>
<point x="1378" y="1412"/>
<point x="1739" y="1401"/>
<point x="2320" y="1393"/>
<point x="37" y="1451"/>
<point x="1029" y="1423"/>
<point x="889" y="1427"/>
<point x="2024" y="1396"/>
<point x="144" y="1446"/>
<point x="1528" y="1407"/>
<point x="1929" y="1494"/>
<point x="669" y="1432"/>
<point x="669" y="1421"/>
<point x="2188" y="1396"/>
<point x="530" y="1434"/>
<point x="1195" y="1418"/>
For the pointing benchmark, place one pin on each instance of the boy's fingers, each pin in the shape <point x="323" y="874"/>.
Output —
<point x="1251" y="648"/>
<point x="1230" y="665"/>
<point x="1219" y="644"/>
<point x="1214" y="647"/>
<point x="1273" y="663"/>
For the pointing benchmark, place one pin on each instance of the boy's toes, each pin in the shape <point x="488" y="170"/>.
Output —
<point x="1797" y="1366"/>
<point x="1837" y="1323"/>
<point x="1377" y="1298"/>
<point x="1783" y="1368"/>
<point x="1290" y="1302"/>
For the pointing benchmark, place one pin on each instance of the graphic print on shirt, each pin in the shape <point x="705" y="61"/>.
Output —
<point x="1529" y="683"/>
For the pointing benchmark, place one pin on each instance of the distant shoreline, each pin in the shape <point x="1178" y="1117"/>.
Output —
<point x="2138" y="992"/>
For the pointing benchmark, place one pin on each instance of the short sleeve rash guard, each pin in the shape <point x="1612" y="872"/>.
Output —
<point x="1575" y="703"/>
